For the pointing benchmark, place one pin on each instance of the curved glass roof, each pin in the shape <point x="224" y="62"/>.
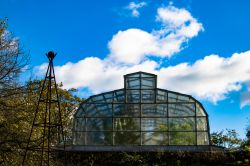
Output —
<point x="141" y="114"/>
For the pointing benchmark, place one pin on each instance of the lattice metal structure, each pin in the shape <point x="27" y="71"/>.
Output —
<point x="140" y="114"/>
<point x="46" y="137"/>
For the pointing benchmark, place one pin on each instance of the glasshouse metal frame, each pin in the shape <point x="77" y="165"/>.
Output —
<point x="140" y="116"/>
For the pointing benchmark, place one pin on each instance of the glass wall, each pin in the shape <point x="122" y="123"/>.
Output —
<point x="141" y="114"/>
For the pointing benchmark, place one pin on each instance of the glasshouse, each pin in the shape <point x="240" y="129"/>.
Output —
<point x="140" y="117"/>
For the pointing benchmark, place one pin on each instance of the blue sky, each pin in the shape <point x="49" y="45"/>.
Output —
<point x="195" y="47"/>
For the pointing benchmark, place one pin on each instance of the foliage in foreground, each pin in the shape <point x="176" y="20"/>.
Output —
<point x="159" y="158"/>
<point x="18" y="121"/>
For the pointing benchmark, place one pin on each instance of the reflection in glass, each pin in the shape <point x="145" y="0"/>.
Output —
<point x="126" y="124"/>
<point x="126" y="138"/>
<point x="133" y="96"/>
<point x="199" y="110"/>
<point x="201" y="123"/>
<point x="148" y="96"/>
<point x="181" y="124"/>
<point x="99" y="138"/>
<point x="202" y="138"/>
<point x="132" y="110"/>
<point x="98" y="124"/>
<point x="154" y="138"/>
<point x="181" y="109"/>
<point x="154" y="124"/>
<point x="182" y="138"/>
<point x="148" y="83"/>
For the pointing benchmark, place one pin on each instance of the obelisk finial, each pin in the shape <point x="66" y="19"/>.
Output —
<point x="51" y="55"/>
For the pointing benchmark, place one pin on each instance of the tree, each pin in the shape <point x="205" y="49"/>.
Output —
<point x="246" y="143"/>
<point x="12" y="61"/>
<point x="229" y="140"/>
<point x="217" y="138"/>
<point x="12" y="64"/>
<point x="19" y="121"/>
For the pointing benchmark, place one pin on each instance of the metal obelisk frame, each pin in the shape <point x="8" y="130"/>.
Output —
<point x="48" y="137"/>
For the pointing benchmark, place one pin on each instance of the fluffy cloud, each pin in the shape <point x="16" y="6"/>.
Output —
<point x="211" y="78"/>
<point x="173" y="16"/>
<point x="97" y="75"/>
<point x="133" y="45"/>
<point x="133" y="7"/>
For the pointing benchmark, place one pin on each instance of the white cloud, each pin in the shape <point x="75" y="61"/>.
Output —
<point x="131" y="46"/>
<point x="178" y="21"/>
<point x="133" y="7"/>
<point x="211" y="78"/>
<point x="173" y="16"/>
<point x="96" y="74"/>
<point x="39" y="70"/>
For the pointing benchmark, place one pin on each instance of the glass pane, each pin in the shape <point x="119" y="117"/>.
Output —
<point x="132" y="75"/>
<point x="154" y="110"/>
<point x="119" y="96"/>
<point x="80" y="112"/>
<point x="104" y="109"/>
<point x="88" y="109"/>
<point x="162" y="110"/>
<point x="154" y="124"/>
<point x="154" y="138"/>
<point x="127" y="138"/>
<point x="126" y="124"/>
<point x="108" y="97"/>
<point x="199" y="110"/>
<point x="182" y="124"/>
<point x="148" y="83"/>
<point x="149" y="110"/>
<point x="97" y="98"/>
<point x="181" y="109"/>
<point x="132" y="110"/>
<point x="133" y="83"/>
<point x="99" y="110"/>
<point x="79" y="124"/>
<point x="98" y="124"/>
<point x="147" y="75"/>
<point x="202" y="138"/>
<point x="133" y="96"/>
<point x="161" y="96"/>
<point x="148" y="96"/>
<point x="182" y="138"/>
<point x="173" y="97"/>
<point x="201" y="124"/>
<point x="99" y="138"/>
<point x="79" y="138"/>
<point x="102" y="98"/>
